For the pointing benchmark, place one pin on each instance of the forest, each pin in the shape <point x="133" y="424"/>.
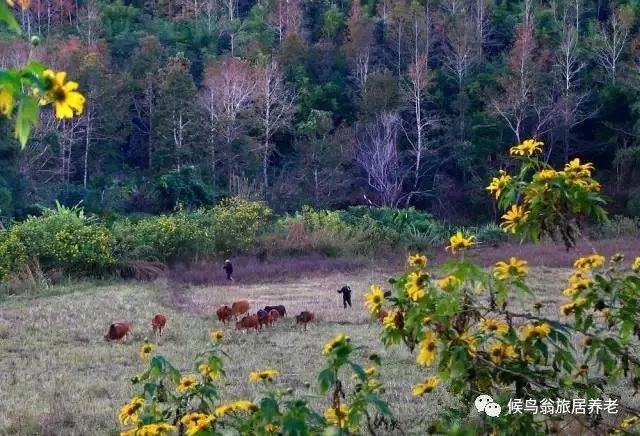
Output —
<point x="324" y="103"/>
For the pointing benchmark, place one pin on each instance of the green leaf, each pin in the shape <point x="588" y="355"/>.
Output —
<point x="26" y="118"/>
<point x="326" y="379"/>
<point x="7" y="17"/>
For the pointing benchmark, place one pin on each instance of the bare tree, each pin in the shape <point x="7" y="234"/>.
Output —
<point x="461" y="47"/>
<point x="611" y="41"/>
<point x="228" y="89"/>
<point x="377" y="153"/>
<point x="275" y="106"/>
<point x="286" y="17"/>
<point x="415" y="87"/>
<point x="358" y="47"/>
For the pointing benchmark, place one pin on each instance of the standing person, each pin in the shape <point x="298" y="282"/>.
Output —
<point x="346" y="295"/>
<point x="228" y="269"/>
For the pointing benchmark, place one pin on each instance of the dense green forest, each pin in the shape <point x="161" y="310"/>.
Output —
<point x="325" y="103"/>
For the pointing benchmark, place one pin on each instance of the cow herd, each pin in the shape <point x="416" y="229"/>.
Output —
<point x="266" y="317"/>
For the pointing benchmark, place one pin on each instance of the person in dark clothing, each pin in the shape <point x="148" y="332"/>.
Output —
<point x="228" y="269"/>
<point x="346" y="295"/>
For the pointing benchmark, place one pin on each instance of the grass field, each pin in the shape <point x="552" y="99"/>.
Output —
<point x="59" y="377"/>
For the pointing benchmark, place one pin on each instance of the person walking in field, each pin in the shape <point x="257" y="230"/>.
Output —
<point x="346" y="295"/>
<point x="228" y="268"/>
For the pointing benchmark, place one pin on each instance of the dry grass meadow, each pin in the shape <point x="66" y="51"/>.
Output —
<point x="59" y="377"/>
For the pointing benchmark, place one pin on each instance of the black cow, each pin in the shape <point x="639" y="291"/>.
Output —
<point x="280" y="308"/>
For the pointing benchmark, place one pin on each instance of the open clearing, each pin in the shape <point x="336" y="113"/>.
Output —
<point x="59" y="376"/>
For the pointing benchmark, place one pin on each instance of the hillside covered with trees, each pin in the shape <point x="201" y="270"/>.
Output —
<point x="324" y="103"/>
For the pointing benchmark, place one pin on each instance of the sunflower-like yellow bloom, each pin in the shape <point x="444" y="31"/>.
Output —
<point x="528" y="147"/>
<point x="449" y="283"/>
<point x="567" y="309"/>
<point x="216" y="336"/>
<point x="374" y="299"/>
<point x="587" y="263"/>
<point x="6" y="101"/>
<point x="629" y="422"/>
<point x="492" y="325"/>
<point x="545" y="175"/>
<point x="514" y="218"/>
<point x="428" y="349"/>
<point x="271" y="428"/>
<point x="576" y="168"/>
<point x="146" y="349"/>
<point x="66" y="100"/>
<point x="24" y="4"/>
<point x="428" y="385"/>
<point x="236" y="406"/>
<point x="389" y="321"/>
<point x="636" y="264"/>
<point x="577" y="283"/>
<point x="156" y="429"/>
<point x="130" y="412"/>
<point x="418" y="260"/>
<point x="415" y="285"/>
<point x="196" y="422"/>
<point x="337" y="416"/>
<point x="339" y="340"/>
<point x="208" y="371"/>
<point x="534" y="331"/>
<point x="469" y="340"/>
<point x="498" y="184"/>
<point x="460" y="242"/>
<point x="188" y="382"/>
<point x="514" y="269"/>
<point x="499" y="352"/>
<point x="264" y="375"/>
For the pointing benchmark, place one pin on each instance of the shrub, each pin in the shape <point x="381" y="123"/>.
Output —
<point x="65" y="238"/>
<point x="633" y="204"/>
<point x="13" y="253"/>
<point x="236" y="224"/>
<point x="617" y="227"/>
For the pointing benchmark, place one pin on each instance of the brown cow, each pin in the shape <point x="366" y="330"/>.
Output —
<point x="273" y="316"/>
<point x="157" y="323"/>
<point x="119" y="330"/>
<point x="248" y="322"/>
<point x="305" y="317"/>
<point x="239" y="307"/>
<point x="224" y="313"/>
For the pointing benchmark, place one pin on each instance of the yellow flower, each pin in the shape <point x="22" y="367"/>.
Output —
<point x="429" y="385"/>
<point x="528" y="147"/>
<point x="498" y="184"/>
<point x="271" y="428"/>
<point x="6" y="101"/>
<point x="428" y="349"/>
<point x="514" y="269"/>
<point x="187" y="382"/>
<point x="499" y="352"/>
<point x="470" y="341"/>
<point x="545" y="175"/>
<point x="492" y="325"/>
<point x="196" y="422"/>
<point x="374" y="299"/>
<point x="264" y="375"/>
<point x="415" y="285"/>
<point x="209" y="372"/>
<point x="128" y="432"/>
<point x="576" y="284"/>
<point x="566" y="309"/>
<point x="460" y="242"/>
<point x="157" y="429"/>
<point x="337" y="416"/>
<point x="130" y="412"/>
<point x="629" y="422"/>
<point x="389" y="321"/>
<point x="146" y="350"/>
<point x="513" y="218"/>
<point x="335" y="342"/>
<point x="235" y="407"/>
<point x="67" y="101"/>
<point x="589" y="262"/>
<point x="534" y="331"/>
<point x="449" y="283"/>
<point x="371" y="371"/>
<point x="216" y="336"/>
<point x="24" y="4"/>
<point x="581" y="170"/>
<point x="636" y="265"/>
<point x="418" y="260"/>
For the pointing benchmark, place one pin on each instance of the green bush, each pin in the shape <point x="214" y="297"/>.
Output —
<point x="236" y="224"/>
<point x="13" y="253"/>
<point x="633" y="204"/>
<point x="65" y="238"/>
